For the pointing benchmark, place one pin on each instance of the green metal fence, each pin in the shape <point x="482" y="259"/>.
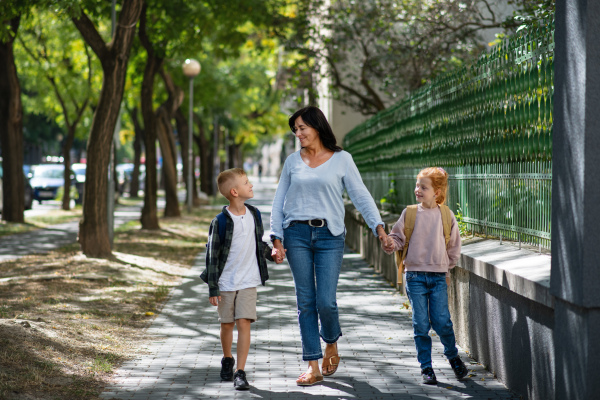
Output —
<point x="489" y="126"/>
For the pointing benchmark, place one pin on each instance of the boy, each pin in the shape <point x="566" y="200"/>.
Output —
<point x="235" y="266"/>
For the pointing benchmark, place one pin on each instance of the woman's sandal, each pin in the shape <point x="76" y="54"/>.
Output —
<point x="308" y="379"/>
<point x="333" y="362"/>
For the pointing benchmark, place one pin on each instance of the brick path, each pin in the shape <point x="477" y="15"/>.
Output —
<point x="377" y="349"/>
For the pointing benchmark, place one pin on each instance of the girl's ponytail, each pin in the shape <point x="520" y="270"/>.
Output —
<point x="439" y="181"/>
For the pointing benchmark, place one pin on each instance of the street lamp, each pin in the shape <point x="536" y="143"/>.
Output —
<point x="191" y="68"/>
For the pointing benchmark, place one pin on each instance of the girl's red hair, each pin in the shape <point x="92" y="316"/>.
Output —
<point x="439" y="181"/>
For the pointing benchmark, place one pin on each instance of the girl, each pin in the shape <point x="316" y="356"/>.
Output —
<point x="427" y="262"/>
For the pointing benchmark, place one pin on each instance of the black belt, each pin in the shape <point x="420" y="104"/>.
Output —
<point x="316" y="223"/>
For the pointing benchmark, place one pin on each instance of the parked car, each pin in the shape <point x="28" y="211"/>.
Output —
<point x="28" y="191"/>
<point x="48" y="178"/>
<point x="124" y="174"/>
<point x="79" y="170"/>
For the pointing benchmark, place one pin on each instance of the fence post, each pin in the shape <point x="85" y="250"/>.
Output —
<point x="575" y="276"/>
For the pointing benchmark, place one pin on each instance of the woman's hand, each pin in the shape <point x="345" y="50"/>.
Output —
<point x="278" y="252"/>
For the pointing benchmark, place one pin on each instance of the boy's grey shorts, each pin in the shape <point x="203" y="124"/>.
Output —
<point x="237" y="305"/>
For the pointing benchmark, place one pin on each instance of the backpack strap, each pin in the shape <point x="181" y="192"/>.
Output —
<point x="222" y="226"/>
<point x="446" y="222"/>
<point x="409" y="226"/>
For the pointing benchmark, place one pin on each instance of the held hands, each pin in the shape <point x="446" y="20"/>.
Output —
<point x="387" y="244"/>
<point x="214" y="300"/>
<point x="278" y="252"/>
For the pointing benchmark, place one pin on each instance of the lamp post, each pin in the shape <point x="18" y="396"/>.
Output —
<point x="191" y="68"/>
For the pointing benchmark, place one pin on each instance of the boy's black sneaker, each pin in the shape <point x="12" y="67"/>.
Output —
<point x="459" y="368"/>
<point x="239" y="380"/>
<point x="227" y="368"/>
<point x="428" y="376"/>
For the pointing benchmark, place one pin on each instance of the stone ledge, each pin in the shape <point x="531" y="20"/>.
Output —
<point x="524" y="272"/>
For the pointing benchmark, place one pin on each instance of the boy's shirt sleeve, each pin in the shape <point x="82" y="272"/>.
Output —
<point x="211" y="274"/>
<point x="397" y="233"/>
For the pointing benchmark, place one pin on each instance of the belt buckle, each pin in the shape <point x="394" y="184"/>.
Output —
<point x="310" y="222"/>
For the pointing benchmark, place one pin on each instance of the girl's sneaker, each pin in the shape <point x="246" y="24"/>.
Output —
<point x="459" y="368"/>
<point x="428" y="376"/>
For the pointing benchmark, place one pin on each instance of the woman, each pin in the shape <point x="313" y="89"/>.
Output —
<point x="307" y="224"/>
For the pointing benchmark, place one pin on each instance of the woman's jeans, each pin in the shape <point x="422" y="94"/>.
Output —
<point x="427" y="292"/>
<point x="315" y="257"/>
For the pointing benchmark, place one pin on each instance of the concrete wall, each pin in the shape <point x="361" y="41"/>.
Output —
<point x="508" y="333"/>
<point x="502" y="310"/>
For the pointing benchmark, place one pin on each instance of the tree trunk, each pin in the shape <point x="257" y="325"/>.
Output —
<point x="149" y="218"/>
<point x="206" y="158"/>
<point x="93" y="228"/>
<point x="165" y="114"/>
<point x="237" y="156"/>
<point x="195" y="197"/>
<point x="167" y="146"/>
<point x="11" y="132"/>
<point x="220" y="145"/>
<point x="66" y="200"/>
<point x="183" y="132"/>
<point x="134" y="185"/>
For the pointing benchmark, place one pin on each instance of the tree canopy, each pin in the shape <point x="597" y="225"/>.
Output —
<point x="374" y="52"/>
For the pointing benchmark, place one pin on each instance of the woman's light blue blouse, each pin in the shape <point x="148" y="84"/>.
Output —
<point x="306" y="193"/>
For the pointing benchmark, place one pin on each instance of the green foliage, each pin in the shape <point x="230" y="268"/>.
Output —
<point x="239" y="82"/>
<point x="391" y="201"/>
<point x="57" y="71"/>
<point x="530" y="12"/>
<point x="462" y="225"/>
<point x="236" y="45"/>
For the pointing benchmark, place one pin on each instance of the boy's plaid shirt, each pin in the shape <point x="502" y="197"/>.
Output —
<point x="217" y="252"/>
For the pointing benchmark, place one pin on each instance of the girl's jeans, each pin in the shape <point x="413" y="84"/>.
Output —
<point x="315" y="258"/>
<point x="427" y="292"/>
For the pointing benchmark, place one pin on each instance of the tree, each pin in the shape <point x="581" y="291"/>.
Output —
<point x="149" y="218"/>
<point x="113" y="56"/>
<point x="176" y="29"/>
<point x="139" y="139"/>
<point x="11" y="119"/>
<point x="377" y="51"/>
<point x="59" y="75"/>
<point x="165" y="114"/>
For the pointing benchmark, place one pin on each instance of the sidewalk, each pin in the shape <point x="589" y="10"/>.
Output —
<point x="55" y="236"/>
<point x="377" y="349"/>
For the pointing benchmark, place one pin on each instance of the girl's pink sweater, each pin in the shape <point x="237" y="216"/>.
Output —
<point x="426" y="250"/>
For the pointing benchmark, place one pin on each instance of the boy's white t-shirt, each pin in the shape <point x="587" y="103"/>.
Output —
<point x="241" y="269"/>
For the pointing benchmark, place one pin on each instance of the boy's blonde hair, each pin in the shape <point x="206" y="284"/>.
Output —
<point x="439" y="180"/>
<point x="226" y="180"/>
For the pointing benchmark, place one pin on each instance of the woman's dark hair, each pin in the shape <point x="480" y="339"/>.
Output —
<point x="315" y="118"/>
